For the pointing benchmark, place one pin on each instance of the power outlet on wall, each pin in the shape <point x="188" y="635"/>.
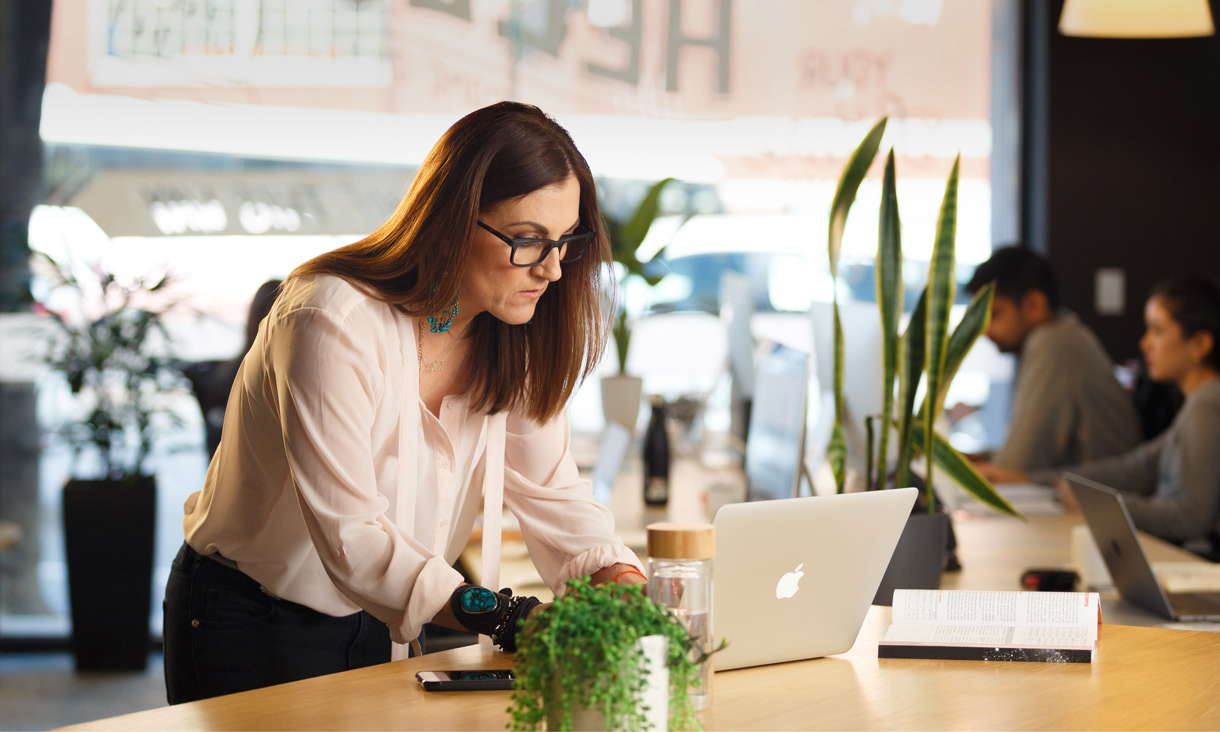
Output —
<point x="1110" y="291"/>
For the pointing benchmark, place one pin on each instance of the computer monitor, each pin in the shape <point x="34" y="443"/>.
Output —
<point x="736" y="309"/>
<point x="775" y="450"/>
<point x="863" y="389"/>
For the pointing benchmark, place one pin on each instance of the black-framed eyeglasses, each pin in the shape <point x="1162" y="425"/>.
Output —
<point x="529" y="251"/>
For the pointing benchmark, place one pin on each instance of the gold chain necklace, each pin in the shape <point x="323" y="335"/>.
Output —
<point x="431" y="366"/>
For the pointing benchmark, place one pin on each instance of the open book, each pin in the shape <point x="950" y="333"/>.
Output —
<point x="1056" y="627"/>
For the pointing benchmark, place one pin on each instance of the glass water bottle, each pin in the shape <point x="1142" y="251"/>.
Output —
<point x="680" y="578"/>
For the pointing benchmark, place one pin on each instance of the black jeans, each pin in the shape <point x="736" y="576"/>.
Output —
<point x="224" y="634"/>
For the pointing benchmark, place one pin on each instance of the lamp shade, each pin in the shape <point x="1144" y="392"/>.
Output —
<point x="1136" y="18"/>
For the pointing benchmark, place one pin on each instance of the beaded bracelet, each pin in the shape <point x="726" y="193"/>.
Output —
<point x="505" y="633"/>
<point x="628" y="571"/>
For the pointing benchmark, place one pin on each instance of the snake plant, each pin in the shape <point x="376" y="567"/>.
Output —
<point x="927" y="351"/>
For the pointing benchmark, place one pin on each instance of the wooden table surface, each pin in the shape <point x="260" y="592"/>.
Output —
<point x="1142" y="678"/>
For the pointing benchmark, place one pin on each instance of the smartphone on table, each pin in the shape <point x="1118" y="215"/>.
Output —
<point x="490" y="679"/>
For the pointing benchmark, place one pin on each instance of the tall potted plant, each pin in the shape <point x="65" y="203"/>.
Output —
<point x="926" y="352"/>
<point x="621" y="393"/>
<point x="604" y="657"/>
<point x="112" y="355"/>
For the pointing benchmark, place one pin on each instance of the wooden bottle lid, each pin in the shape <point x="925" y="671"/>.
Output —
<point x="681" y="541"/>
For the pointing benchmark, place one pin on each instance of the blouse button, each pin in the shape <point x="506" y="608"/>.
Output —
<point x="444" y="464"/>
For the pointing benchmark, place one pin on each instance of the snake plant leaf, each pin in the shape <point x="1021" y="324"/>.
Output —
<point x="941" y="288"/>
<point x="849" y="184"/>
<point x="889" y="303"/>
<point x="870" y="435"/>
<point x="845" y="195"/>
<point x="910" y="361"/>
<point x="961" y="471"/>
<point x="836" y="455"/>
<point x="973" y="324"/>
<point x="838" y="445"/>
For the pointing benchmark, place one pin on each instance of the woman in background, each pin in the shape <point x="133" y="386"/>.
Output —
<point x="1171" y="484"/>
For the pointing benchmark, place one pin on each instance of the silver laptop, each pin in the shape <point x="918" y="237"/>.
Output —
<point x="1114" y="532"/>
<point x="794" y="577"/>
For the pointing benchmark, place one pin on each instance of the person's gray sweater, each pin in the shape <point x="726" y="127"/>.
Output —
<point x="1068" y="407"/>
<point x="1172" y="482"/>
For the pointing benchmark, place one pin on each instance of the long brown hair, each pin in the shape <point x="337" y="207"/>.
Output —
<point x="415" y="260"/>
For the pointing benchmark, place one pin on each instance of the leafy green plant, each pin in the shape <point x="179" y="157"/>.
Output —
<point x="581" y="652"/>
<point x="927" y="350"/>
<point x="112" y="355"/>
<point x="626" y="236"/>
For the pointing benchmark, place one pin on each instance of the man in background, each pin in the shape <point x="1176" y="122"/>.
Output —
<point x="1068" y="407"/>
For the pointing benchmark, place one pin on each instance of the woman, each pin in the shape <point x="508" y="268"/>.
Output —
<point x="1172" y="482"/>
<point x="399" y="384"/>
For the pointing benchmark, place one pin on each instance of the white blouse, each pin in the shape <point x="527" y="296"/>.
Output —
<point x="305" y="493"/>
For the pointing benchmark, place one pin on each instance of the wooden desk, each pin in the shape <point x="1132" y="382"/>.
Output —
<point x="995" y="550"/>
<point x="1142" y="678"/>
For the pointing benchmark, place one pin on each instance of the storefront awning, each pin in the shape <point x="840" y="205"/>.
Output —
<point x="207" y="203"/>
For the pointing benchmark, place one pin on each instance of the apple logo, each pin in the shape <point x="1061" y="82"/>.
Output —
<point x="787" y="586"/>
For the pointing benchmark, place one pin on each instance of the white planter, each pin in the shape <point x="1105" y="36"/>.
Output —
<point x="621" y="396"/>
<point x="655" y="697"/>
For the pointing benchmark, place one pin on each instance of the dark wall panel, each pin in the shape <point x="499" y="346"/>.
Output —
<point x="1132" y="166"/>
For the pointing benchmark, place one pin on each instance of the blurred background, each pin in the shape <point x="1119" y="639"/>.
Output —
<point x="223" y="142"/>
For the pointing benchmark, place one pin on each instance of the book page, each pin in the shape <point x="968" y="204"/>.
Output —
<point x="993" y="635"/>
<point x="1000" y="608"/>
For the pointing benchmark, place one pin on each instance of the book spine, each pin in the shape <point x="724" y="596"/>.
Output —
<point x="986" y="653"/>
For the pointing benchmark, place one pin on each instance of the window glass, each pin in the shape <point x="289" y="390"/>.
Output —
<point x="227" y="141"/>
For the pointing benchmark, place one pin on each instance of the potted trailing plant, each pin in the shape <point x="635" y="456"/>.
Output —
<point x="622" y="392"/>
<point x="926" y="352"/>
<point x="580" y="663"/>
<point x="110" y="351"/>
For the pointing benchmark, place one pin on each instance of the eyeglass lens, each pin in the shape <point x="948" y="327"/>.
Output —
<point x="528" y="252"/>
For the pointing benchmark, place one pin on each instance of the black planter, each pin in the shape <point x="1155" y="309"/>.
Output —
<point x="919" y="557"/>
<point x="109" y="529"/>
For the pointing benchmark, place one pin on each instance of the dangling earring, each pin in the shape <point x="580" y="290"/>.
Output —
<point x="441" y="324"/>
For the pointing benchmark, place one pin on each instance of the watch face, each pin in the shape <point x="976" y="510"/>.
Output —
<point x="477" y="600"/>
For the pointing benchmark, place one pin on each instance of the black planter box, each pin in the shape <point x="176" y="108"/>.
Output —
<point x="109" y="530"/>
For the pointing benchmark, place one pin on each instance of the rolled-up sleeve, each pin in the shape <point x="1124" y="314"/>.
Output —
<point x="567" y="532"/>
<point x="330" y="378"/>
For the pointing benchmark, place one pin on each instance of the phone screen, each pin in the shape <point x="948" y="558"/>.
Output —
<point x="466" y="680"/>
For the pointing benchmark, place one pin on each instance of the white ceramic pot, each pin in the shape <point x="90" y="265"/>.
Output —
<point x="621" y="396"/>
